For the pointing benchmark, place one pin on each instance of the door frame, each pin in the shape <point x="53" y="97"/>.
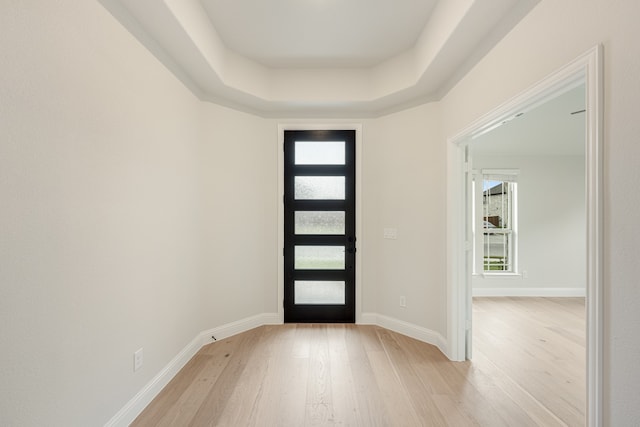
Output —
<point x="320" y="126"/>
<point x="588" y="69"/>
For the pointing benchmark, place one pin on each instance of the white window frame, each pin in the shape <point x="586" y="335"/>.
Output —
<point x="505" y="175"/>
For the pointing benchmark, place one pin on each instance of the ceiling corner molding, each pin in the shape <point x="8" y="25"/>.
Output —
<point x="182" y="36"/>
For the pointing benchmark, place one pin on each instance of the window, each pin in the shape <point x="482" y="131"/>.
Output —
<point x="496" y="209"/>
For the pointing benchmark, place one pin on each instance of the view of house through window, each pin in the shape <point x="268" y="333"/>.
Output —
<point x="498" y="211"/>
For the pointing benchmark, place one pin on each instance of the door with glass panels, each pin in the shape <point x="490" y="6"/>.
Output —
<point x="319" y="226"/>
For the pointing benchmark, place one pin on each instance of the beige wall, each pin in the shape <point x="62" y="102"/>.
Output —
<point x="404" y="188"/>
<point x="239" y="185"/>
<point x="133" y="215"/>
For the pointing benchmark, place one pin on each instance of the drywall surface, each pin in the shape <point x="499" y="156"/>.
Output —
<point x="404" y="190"/>
<point x="552" y="35"/>
<point x="239" y="190"/>
<point x="100" y="218"/>
<point x="551" y="224"/>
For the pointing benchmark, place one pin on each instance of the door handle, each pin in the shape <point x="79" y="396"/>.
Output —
<point x="352" y="244"/>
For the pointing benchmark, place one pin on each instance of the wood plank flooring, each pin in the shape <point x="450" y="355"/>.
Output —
<point x="538" y="346"/>
<point x="528" y="370"/>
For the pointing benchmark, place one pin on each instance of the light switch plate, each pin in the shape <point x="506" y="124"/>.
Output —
<point x="391" y="233"/>
<point x="138" y="360"/>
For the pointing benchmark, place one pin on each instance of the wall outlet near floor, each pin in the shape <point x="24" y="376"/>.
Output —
<point x="403" y="301"/>
<point x="138" y="360"/>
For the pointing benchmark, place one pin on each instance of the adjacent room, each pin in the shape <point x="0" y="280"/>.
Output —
<point x="253" y="213"/>
<point x="529" y="257"/>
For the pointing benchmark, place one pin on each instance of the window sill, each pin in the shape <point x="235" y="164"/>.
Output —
<point x="503" y="275"/>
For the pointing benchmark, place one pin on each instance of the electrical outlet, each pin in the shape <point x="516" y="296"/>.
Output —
<point x="403" y="301"/>
<point x="138" y="360"/>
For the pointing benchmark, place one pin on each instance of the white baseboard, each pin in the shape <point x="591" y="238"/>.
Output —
<point x="234" y="328"/>
<point x="529" y="292"/>
<point x="368" y="319"/>
<point x="136" y="405"/>
<point x="405" y="328"/>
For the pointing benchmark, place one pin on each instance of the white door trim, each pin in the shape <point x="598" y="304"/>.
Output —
<point x="588" y="69"/>
<point x="359" y="237"/>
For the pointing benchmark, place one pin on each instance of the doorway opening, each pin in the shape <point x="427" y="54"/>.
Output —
<point x="528" y="222"/>
<point x="319" y="225"/>
<point x="584" y="70"/>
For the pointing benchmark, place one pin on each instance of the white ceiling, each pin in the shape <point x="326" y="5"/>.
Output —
<point x="319" y="33"/>
<point x="319" y="58"/>
<point x="549" y="129"/>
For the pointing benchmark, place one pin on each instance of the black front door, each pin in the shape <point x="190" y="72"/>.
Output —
<point x="319" y="226"/>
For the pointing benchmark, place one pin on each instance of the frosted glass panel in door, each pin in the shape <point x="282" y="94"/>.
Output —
<point x="319" y="153"/>
<point x="319" y="222"/>
<point x="319" y="258"/>
<point x="319" y="187"/>
<point x="319" y="292"/>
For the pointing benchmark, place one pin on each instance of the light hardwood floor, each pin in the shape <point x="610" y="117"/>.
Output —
<point x="539" y="345"/>
<point x="528" y="370"/>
